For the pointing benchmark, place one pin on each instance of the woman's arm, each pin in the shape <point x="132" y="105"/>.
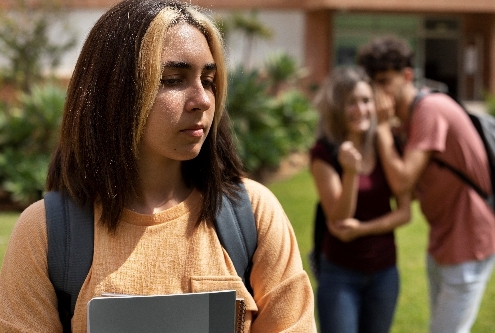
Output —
<point x="338" y="196"/>
<point x="350" y="229"/>
<point x="27" y="298"/>
<point x="282" y="289"/>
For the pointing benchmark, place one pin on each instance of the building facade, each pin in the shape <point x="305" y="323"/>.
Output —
<point x="454" y="40"/>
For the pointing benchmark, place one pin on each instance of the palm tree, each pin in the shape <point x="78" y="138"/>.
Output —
<point x="282" y="71"/>
<point x="252" y="28"/>
<point x="26" y="44"/>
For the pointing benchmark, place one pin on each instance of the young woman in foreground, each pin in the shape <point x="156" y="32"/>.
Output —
<point x="146" y="139"/>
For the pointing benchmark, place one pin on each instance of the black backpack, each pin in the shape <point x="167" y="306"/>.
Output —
<point x="70" y="232"/>
<point x="485" y="126"/>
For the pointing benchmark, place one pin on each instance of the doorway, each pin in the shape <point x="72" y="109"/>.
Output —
<point x="441" y="53"/>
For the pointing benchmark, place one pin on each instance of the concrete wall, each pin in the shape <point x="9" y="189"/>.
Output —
<point x="288" y="37"/>
<point x="287" y="27"/>
<point x="81" y="22"/>
<point x="303" y="28"/>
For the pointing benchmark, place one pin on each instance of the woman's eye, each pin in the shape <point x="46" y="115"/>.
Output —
<point x="170" y="82"/>
<point x="208" y="83"/>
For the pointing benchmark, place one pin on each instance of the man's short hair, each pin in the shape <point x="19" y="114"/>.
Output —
<point x="385" y="53"/>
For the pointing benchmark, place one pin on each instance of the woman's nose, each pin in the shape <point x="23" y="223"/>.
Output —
<point x="362" y="107"/>
<point x="200" y="99"/>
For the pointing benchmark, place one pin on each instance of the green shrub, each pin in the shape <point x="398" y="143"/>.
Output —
<point x="248" y="106"/>
<point x="267" y="128"/>
<point x="282" y="71"/>
<point x="490" y="103"/>
<point x="25" y="41"/>
<point x="28" y="133"/>
<point x="296" y="118"/>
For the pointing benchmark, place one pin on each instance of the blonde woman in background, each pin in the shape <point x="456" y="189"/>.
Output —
<point x="358" y="282"/>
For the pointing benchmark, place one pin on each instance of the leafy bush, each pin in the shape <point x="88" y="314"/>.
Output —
<point x="490" y="103"/>
<point x="26" y="44"/>
<point x="248" y="106"/>
<point x="28" y="133"/>
<point x="267" y="128"/>
<point x="297" y="118"/>
<point x="282" y="71"/>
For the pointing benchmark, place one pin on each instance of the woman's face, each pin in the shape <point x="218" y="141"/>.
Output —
<point x="359" y="107"/>
<point x="183" y="110"/>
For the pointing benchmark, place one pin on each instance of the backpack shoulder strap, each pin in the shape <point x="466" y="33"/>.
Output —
<point x="236" y="230"/>
<point x="485" y="125"/>
<point x="70" y="235"/>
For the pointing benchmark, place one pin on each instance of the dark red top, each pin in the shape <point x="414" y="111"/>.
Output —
<point x="365" y="254"/>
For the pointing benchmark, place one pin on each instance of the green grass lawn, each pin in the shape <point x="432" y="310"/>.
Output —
<point x="7" y="221"/>
<point x="298" y="197"/>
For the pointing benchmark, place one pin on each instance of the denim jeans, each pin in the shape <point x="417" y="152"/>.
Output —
<point x="354" y="302"/>
<point x="456" y="292"/>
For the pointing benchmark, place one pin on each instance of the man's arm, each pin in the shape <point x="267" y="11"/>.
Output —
<point x="402" y="172"/>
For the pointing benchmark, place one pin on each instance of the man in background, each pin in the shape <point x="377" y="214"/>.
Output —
<point x="461" y="244"/>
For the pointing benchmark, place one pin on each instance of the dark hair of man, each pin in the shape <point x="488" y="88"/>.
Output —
<point x="96" y="157"/>
<point x="385" y="53"/>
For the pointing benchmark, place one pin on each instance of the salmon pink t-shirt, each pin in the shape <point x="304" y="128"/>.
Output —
<point x="462" y="226"/>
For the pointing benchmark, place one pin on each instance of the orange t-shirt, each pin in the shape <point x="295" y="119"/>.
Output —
<point x="162" y="253"/>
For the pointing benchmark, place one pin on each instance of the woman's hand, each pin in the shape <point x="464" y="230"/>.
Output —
<point x="346" y="230"/>
<point x="349" y="157"/>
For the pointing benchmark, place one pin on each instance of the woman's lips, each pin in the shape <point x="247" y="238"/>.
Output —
<point x="195" y="131"/>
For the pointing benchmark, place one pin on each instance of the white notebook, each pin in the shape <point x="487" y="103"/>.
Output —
<point x="209" y="312"/>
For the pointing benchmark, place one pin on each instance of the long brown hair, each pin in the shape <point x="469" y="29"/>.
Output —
<point x="110" y="95"/>
<point x="330" y="103"/>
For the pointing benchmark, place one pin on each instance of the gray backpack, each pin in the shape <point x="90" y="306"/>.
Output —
<point x="70" y="232"/>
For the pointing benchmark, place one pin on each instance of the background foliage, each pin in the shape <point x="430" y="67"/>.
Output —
<point x="28" y="133"/>
<point x="267" y="127"/>
<point x="26" y="44"/>
<point x="490" y="104"/>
